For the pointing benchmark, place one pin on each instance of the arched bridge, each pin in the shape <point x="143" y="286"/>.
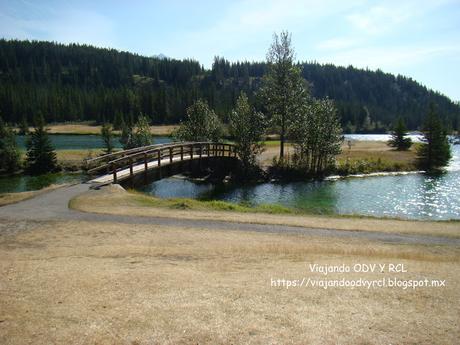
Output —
<point x="127" y="164"/>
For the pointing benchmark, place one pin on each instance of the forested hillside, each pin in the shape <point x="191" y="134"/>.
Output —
<point x="79" y="82"/>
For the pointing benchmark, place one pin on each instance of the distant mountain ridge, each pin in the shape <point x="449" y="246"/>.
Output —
<point x="80" y="82"/>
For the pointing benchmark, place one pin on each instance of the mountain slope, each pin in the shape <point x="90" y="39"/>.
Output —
<point x="79" y="82"/>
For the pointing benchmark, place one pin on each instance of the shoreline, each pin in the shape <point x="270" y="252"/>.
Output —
<point x="137" y="204"/>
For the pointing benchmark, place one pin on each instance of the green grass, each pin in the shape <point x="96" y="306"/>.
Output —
<point x="214" y="205"/>
<point x="143" y="200"/>
<point x="370" y="165"/>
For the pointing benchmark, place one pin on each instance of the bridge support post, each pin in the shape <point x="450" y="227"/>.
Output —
<point x="170" y="155"/>
<point x="114" y="171"/>
<point x="159" y="162"/>
<point x="200" y="155"/>
<point x="182" y="153"/>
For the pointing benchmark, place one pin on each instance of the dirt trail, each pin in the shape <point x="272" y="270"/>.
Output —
<point x="53" y="206"/>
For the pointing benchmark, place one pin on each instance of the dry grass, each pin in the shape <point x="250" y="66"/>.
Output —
<point x="373" y="150"/>
<point x="164" y="130"/>
<point x="104" y="283"/>
<point x="360" y="150"/>
<point x="115" y="201"/>
<point x="12" y="198"/>
<point x="75" y="158"/>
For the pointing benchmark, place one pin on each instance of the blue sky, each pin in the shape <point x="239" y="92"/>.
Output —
<point x="415" y="38"/>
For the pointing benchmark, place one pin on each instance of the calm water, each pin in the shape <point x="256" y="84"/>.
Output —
<point x="379" y="137"/>
<point x="413" y="196"/>
<point x="82" y="142"/>
<point x="14" y="184"/>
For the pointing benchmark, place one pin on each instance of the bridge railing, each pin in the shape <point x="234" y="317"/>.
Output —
<point x="172" y="152"/>
<point x="99" y="163"/>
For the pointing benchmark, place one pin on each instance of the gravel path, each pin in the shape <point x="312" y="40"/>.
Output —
<point x="54" y="206"/>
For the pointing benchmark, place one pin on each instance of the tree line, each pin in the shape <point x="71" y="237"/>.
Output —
<point x="82" y="83"/>
<point x="311" y="124"/>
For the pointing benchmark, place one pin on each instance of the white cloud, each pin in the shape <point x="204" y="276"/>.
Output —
<point x="389" y="15"/>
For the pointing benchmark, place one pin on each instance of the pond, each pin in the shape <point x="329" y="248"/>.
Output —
<point x="410" y="196"/>
<point x="23" y="183"/>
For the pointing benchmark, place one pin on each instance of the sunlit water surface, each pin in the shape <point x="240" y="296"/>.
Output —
<point x="412" y="196"/>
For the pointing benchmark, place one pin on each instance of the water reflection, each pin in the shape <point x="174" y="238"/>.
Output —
<point x="415" y="196"/>
<point x="406" y="196"/>
<point x="22" y="183"/>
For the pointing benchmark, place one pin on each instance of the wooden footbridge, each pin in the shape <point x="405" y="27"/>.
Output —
<point x="127" y="164"/>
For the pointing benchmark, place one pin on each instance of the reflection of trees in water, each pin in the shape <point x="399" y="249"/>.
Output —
<point x="12" y="184"/>
<point x="22" y="183"/>
<point x="412" y="196"/>
<point x="316" y="197"/>
<point x="38" y="182"/>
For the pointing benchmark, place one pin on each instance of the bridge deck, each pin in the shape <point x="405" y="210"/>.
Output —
<point x="140" y="168"/>
<point x="126" y="164"/>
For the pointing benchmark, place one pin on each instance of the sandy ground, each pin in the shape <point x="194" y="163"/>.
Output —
<point x="107" y="283"/>
<point x="117" y="201"/>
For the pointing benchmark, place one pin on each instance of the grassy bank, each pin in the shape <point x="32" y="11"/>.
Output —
<point x="362" y="158"/>
<point x="113" y="200"/>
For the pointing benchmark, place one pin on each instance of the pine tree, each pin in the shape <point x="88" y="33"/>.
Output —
<point x="107" y="137"/>
<point x="41" y="157"/>
<point x="23" y="126"/>
<point x="435" y="152"/>
<point x="283" y="86"/>
<point x="9" y="152"/>
<point x="398" y="137"/>
<point x="247" y="128"/>
<point x="118" y="121"/>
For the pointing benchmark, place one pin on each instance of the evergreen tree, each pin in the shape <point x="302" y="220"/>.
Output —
<point x="283" y="86"/>
<point x="435" y="152"/>
<point x="398" y="137"/>
<point x="247" y="128"/>
<point x="23" y="126"/>
<point x="41" y="157"/>
<point x="107" y="137"/>
<point x="201" y="124"/>
<point x="118" y="121"/>
<point x="9" y="152"/>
